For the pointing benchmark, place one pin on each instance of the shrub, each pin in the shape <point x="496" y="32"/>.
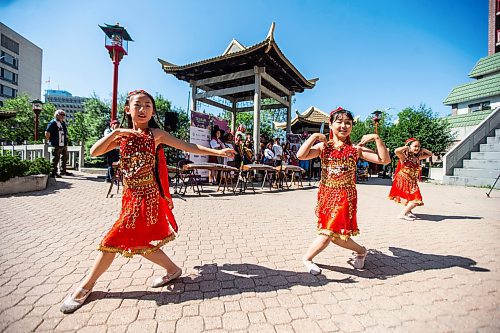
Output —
<point x="13" y="166"/>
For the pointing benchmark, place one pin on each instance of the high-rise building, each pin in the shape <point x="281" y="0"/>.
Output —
<point x="64" y="100"/>
<point x="20" y="65"/>
<point x="494" y="27"/>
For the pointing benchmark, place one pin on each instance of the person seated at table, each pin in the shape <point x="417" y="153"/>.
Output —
<point x="286" y="153"/>
<point x="215" y="143"/>
<point x="269" y="154"/>
<point x="260" y="157"/>
<point x="248" y="155"/>
<point x="362" y="170"/>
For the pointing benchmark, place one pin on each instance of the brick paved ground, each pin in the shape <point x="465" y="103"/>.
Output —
<point x="243" y="272"/>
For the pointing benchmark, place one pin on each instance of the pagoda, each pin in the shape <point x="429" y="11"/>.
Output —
<point x="244" y="74"/>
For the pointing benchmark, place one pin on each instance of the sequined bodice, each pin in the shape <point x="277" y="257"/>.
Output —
<point x="338" y="165"/>
<point x="138" y="157"/>
<point x="410" y="168"/>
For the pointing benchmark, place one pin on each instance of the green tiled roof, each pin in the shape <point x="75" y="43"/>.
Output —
<point x="468" y="119"/>
<point x="485" y="87"/>
<point x="486" y="65"/>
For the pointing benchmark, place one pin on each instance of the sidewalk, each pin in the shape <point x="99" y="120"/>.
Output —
<point x="241" y="257"/>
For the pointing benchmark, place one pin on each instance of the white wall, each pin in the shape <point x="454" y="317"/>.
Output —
<point x="463" y="108"/>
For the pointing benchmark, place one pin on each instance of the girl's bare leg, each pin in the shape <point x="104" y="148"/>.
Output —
<point x="318" y="245"/>
<point x="160" y="258"/>
<point x="349" y="244"/>
<point x="101" y="265"/>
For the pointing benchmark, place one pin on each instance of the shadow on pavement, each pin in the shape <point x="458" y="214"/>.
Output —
<point x="376" y="181"/>
<point x="438" y="218"/>
<point x="381" y="266"/>
<point x="214" y="281"/>
<point x="52" y="187"/>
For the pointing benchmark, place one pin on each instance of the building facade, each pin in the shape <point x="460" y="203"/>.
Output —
<point x="20" y="66"/>
<point x="494" y="27"/>
<point x="64" y="100"/>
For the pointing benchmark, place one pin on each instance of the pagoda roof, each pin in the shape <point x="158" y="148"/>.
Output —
<point x="6" y="114"/>
<point x="109" y="30"/>
<point x="486" y="65"/>
<point x="237" y="57"/>
<point x="485" y="87"/>
<point x="312" y="115"/>
<point x="468" y="119"/>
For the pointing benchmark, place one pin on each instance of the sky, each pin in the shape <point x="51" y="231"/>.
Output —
<point x="368" y="55"/>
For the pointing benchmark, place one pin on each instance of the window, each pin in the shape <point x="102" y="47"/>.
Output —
<point x="7" y="75"/>
<point x="9" y="60"/>
<point x="479" y="106"/>
<point x="8" y="91"/>
<point x="10" y="44"/>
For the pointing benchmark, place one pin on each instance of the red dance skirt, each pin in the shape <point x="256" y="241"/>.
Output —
<point x="405" y="188"/>
<point x="336" y="212"/>
<point x="145" y="224"/>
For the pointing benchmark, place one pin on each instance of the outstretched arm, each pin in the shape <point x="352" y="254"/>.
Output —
<point x="170" y="140"/>
<point x="381" y="156"/>
<point x="307" y="151"/>
<point x="110" y="141"/>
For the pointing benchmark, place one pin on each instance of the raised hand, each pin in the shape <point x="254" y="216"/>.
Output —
<point x="320" y="137"/>
<point x="227" y="152"/>
<point x="367" y="138"/>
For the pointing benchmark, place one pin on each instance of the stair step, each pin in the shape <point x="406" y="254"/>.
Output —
<point x="493" y="139"/>
<point x="477" y="173"/>
<point x="470" y="181"/>
<point x="485" y="156"/>
<point x="482" y="164"/>
<point x="489" y="147"/>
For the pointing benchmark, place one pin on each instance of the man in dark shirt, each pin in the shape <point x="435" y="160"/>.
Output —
<point x="57" y="134"/>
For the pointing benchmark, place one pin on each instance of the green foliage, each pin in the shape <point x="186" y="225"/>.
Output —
<point x="422" y="123"/>
<point x="13" y="166"/>
<point x="22" y="127"/>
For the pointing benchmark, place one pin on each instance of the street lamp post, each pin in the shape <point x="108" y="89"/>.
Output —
<point x="376" y="119"/>
<point x="36" y="106"/>
<point x="116" y="42"/>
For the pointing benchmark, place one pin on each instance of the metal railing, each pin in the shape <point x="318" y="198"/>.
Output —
<point x="32" y="151"/>
<point x="455" y="157"/>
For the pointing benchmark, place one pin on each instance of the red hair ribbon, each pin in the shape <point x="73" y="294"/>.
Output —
<point x="138" y="91"/>
<point x="337" y="110"/>
<point x="410" y="140"/>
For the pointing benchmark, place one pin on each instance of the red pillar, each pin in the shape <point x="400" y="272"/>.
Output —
<point x="116" y="62"/>
<point x="37" y="114"/>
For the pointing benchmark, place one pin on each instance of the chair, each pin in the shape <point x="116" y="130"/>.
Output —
<point x="117" y="178"/>
<point x="188" y="178"/>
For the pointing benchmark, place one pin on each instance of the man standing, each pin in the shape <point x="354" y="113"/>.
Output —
<point x="57" y="134"/>
<point x="278" y="152"/>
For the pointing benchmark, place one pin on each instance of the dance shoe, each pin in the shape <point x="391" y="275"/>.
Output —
<point x="164" y="280"/>
<point x="71" y="304"/>
<point x="312" y="268"/>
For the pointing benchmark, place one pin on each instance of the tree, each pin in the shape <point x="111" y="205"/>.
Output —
<point x="422" y="123"/>
<point x="22" y="127"/>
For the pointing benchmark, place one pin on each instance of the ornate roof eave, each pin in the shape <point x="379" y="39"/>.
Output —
<point x="6" y="114"/>
<point x="269" y="43"/>
<point x="304" y="117"/>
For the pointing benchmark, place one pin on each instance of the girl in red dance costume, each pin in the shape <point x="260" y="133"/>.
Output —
<point x="405" y="187"/>
<point x="337" y="196"/>
<point x="146" y="222"/>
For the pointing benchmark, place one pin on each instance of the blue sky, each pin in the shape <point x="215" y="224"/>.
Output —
<point x="367" y="54"/>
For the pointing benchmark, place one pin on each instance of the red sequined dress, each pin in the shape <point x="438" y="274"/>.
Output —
<point x="337" y="196"/>
<point x="146" y="221"/>
<point x="404" y="186"/>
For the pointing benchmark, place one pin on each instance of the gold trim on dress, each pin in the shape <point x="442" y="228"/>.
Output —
<point x="329" y="233"/>
<point x="131" y="253"/>
<point x="398" y="199"/>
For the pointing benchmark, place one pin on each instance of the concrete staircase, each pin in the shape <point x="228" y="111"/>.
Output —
<point x="483" y="167"/>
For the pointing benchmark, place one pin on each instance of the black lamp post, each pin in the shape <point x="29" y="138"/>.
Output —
<point x="36" y="106"/>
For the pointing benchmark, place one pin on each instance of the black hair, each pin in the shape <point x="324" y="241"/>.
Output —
<point x="337" y="114"/>
<point x="151" y="124"/>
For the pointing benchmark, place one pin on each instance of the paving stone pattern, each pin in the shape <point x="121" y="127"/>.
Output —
<point x="241" y="257"/>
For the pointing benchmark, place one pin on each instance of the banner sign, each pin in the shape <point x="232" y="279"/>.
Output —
<point x="200" y="120"/>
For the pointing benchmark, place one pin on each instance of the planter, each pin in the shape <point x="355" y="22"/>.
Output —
<point x="436" y="174"/>
<point x="24" y="184"/>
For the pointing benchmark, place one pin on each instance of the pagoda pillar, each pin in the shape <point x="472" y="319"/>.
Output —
<point x="256" y="110"/>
